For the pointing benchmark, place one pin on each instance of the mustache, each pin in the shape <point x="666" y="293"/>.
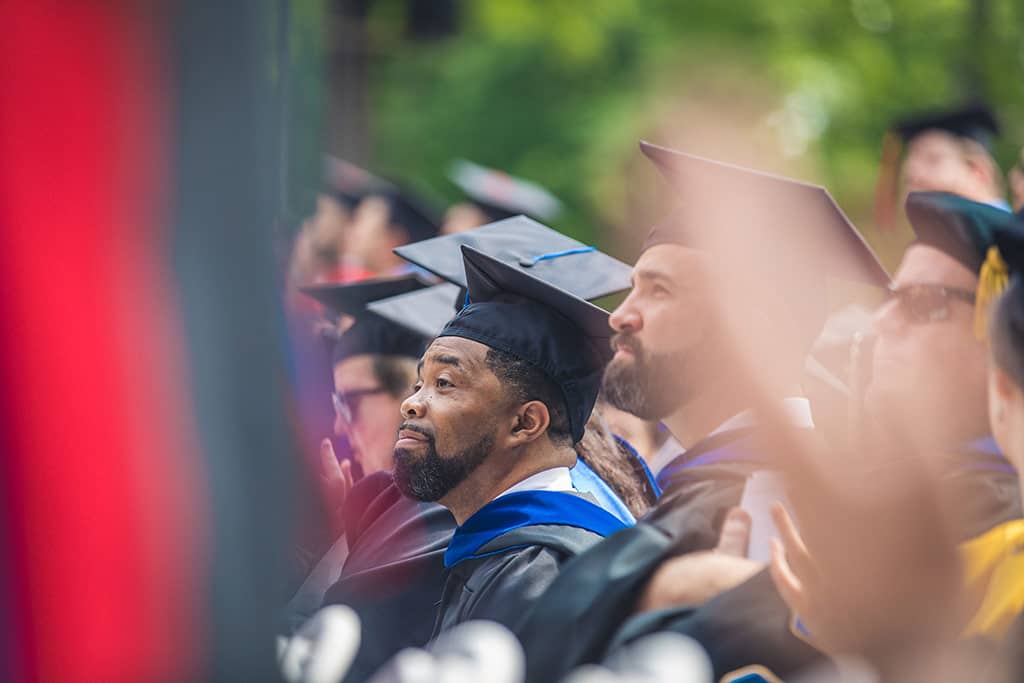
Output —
<point x="408" y="426"/>
<point x="626" y="340"/>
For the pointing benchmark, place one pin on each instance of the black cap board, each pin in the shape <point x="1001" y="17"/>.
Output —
<point x="370" y="333"/>
<point x="967" y="231"/>
<point x="959" y="227"/>
<point x="768" y="219"/>
<point x="425" y="311"/>
<point x="350" y="183"/>
<point x="501" y="195"/>
<point x="515" y="311"/>
<point x="527" y="245"/>
<point x="351" y="298"/>
<point x="974" y="121"/>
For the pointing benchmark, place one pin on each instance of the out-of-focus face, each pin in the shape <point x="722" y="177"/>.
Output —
<point x="462" y="217"/>
<point x="451" y="422"/>
<point x="929" y="377"/>
<point x="369" y="414"/>
<point x="372" y="237"/>
<point x="658" y="331"/>
<point x="935" y="162"/>
<point x="1016" y="180"/>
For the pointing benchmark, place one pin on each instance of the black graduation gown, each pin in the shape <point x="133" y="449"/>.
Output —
<point x="504" y="557"/>
<point x="393" y="574"/>
<point x="596" y="593"/>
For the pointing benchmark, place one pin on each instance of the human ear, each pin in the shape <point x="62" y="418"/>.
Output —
<point x="532" y="420"/>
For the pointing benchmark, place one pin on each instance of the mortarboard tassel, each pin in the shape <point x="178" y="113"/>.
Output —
<point x="992" y="280"/>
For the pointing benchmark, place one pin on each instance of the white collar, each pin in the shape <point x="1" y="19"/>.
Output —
<point x="796" y="408"/>
<point x="554" y="479"/>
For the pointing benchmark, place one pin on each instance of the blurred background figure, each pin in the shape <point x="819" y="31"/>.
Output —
<point x="493" y="195"/>
<point x="948" y="151"/>
<point x="1016" y="182"/>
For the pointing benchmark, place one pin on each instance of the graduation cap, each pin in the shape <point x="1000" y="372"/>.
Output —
<point x="761" y="222"/>
<point x="500" y="195"/>
<point x="350" y="183"/>
<point x="527" y="245"/>
<point x="370" y="333"/>
<point x="539" y="321"/>
<point x="410" y="212"/>
<point x="974" y="121"/>
<point x="425" y="311"/>
<point x="1010" y="242"/>
<point x="965" y="230"/>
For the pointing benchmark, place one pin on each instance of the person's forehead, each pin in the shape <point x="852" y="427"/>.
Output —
<point x="933" y="141"/>
<point x="924" y="264"/>
<point x="354" y="371"/>
<point x="671" y="262"/>
<point x="465" y="353"/>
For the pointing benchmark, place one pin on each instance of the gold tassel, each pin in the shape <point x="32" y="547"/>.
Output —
<point x="992" y="280"/>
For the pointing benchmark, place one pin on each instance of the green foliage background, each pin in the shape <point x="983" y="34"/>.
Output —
<point x="559" y="91"/>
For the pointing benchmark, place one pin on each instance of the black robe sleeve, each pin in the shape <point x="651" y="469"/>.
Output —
<point x="747" y="625"/>
<point x="393" y="575"/>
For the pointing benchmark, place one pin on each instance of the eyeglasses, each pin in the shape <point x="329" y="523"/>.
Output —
<point x="346" y="404"/>
<point x="926" y="303"/>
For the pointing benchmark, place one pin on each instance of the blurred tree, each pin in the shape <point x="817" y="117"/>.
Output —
<point x="560" y="92"/>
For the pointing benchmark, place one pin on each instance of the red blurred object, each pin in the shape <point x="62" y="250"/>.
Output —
<point x="99" y="479"/>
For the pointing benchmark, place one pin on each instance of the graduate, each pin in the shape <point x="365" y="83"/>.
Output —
<point x="503" y="394"/>
<point x="941" y="310"/>
<point x="728" y="292"/>
<point x="940" y="151"/>
<point x="607" y="468"/>
<point x="388" y="564"/>
<point x="940" y="302"/>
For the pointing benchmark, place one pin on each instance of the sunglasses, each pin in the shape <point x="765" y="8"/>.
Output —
<point x="925" y="303"/>
<point x="346" y="404"/>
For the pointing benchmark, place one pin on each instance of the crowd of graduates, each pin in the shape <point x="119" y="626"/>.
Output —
<point x="768" y="459"/>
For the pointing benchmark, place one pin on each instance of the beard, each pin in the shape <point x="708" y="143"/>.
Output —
<point x="428" y="476"/>
<point x="649" y="386"/>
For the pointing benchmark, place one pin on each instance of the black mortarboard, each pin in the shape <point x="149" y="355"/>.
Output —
<point x="370" y="333"/>
<point x="500" y="195"/>
<point x="411" y="213"/>
<point x="545" y="253"/>
<point x="426" y="310"/>
<point x="539" y="321"/>
<point x="975" y="122"/>
<point x="350" y="183"/>
<point x="965" y="230"/>
<point x="959" y="227"/>
<point x="763" y="222"/>
<point x="352" y="298"/>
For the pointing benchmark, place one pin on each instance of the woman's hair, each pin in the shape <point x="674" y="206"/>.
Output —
<point x="1006" y="333"/>
<point x="616" y="465"/>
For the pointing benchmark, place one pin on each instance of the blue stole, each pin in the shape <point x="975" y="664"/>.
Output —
<point x="586" y="480"/>
<point x="731" y="451"/>
<point x="526" y="508"/>
<point x="643" y="463"/>
<point x="984" y="454"/>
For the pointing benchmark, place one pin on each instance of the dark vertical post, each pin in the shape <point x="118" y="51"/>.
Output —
<point x="227" y="190"/>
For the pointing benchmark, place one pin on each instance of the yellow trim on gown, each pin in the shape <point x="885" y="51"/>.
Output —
<point x="994" y="570"/>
